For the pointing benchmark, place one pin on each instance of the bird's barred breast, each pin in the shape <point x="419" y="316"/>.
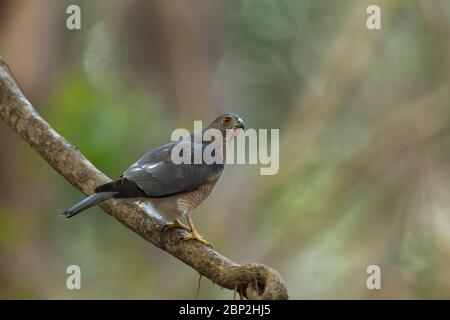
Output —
<point x="175" y="206"/>
<point x="190" y="200"/>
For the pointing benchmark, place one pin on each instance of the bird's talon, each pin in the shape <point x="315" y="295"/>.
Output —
<point x="176" y="225"/>
<point x="197" y="237"/>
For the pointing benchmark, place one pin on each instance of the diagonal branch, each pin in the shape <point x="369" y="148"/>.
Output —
<point x="254" y="281"/>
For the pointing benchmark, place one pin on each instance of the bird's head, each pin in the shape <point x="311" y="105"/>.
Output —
<point x="228" y="121"/>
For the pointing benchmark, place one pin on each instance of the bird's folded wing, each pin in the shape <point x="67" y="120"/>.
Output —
<point x="157" y="175"/>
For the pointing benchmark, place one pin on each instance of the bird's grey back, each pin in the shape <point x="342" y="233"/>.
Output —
<point x="158" y="176"/>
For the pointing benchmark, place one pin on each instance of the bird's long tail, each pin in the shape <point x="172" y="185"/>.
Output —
<point x="90" y="201"/>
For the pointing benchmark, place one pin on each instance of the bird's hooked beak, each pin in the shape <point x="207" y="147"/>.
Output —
<point x="238" y="127"/>
<point x="240" y="124"/>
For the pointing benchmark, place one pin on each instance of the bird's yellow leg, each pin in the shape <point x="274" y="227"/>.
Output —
<point x="176" y="224"/>
<point x="194" y="233"/>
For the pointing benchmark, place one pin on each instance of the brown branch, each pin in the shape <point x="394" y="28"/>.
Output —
<point x="254" y="281"/>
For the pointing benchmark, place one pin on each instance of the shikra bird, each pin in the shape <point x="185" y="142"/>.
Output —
<point x="173" y="189"/>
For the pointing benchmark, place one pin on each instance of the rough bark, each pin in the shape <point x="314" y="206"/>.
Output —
<point x="253" y="281"/>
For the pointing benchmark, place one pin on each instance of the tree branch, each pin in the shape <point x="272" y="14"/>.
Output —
<point x="253" y="281"/>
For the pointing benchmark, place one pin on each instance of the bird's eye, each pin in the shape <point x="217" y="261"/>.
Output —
<point x="226" y="120"/>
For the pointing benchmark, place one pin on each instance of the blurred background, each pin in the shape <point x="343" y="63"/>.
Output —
<point x="364" y="119"/>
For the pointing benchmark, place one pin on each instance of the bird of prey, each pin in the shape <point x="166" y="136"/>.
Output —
<point x="173" y="190"/>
